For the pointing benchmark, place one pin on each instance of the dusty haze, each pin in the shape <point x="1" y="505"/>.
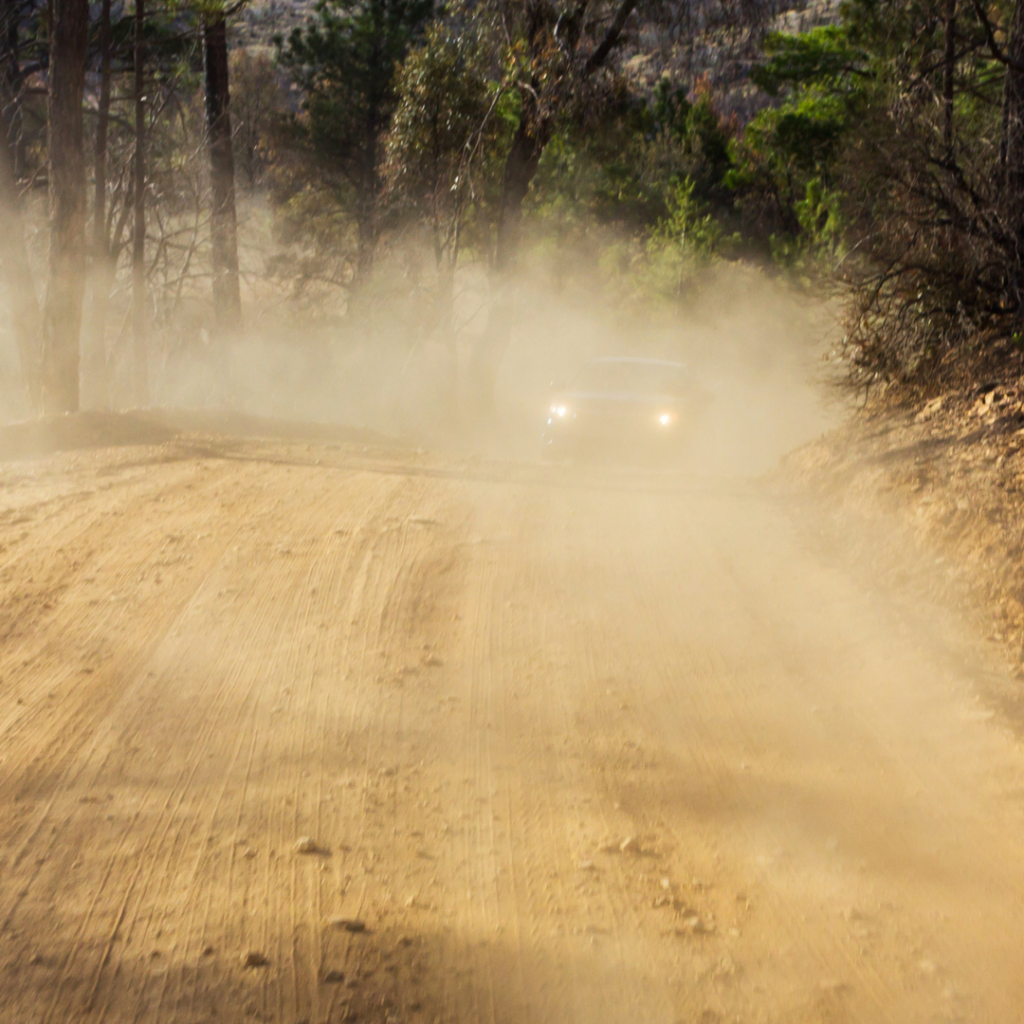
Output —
<point x="385" y="720"/>
<point x="755" y="346"/>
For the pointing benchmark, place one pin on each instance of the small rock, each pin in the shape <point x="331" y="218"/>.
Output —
<point x="306" y="845"/>
<point x="586" y="865"/>
<point x="333" y="977"/>
<point x="695" y="926"/>
<point x="348" y="924"/>
<point x="929" y="410"/>
<point x="929" y="968"/>
<point x="630" y="845"/>
<point x="608" y="847"/>
<point x="254" y="958"/>
<point x="208" y="951"/>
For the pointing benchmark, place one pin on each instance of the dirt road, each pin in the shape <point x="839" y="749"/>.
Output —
<point x="469" y="684"/>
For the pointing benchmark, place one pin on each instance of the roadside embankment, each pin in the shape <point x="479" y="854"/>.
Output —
<point x="938" y="484"/>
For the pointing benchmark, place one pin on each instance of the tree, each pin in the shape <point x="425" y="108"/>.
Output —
<point x="786" y="176"/>
<point x="907" y="120"/>
<point x="345" y="63"/>
<point x="1012" y="145"/>
<point x="443" y="139"/>
<point x="14" y="265"/>
<point x="62" y="313"/>
<point x="139" y="317"/>
<point x="103" y="266"/>
<point x="562" y="47"/>
<point x="558" y="49"/>
<point x="257" y="105"/>
<point x="144" y="107"/>
<point x="227" y="302"/>
<point x="566" y="70"/>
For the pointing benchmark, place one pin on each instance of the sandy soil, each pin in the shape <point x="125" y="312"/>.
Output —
<point x="469" y="684"/>
<point x="943" y="478"/>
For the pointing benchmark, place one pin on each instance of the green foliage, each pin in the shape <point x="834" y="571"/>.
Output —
<point x="852" y="158"/>
<point x="696" y="141"/>
<point x="443" y="149"/>
<point x="574" y="187"/>
<point x="820" y="242"/>
<point x="681" y="248"/>
<point x="627" y="171"/>
<point x="679" y="138"/>
<point x="799" y="137"/>
<point x="785" y="172"/>
<point x="888" y="162"/>
<point x="445" y="119"/>
<point x="690" y="228"/>
<point x="670" y="168"/>
<point x="344" y="62"/>
<point x="824" y="57"/>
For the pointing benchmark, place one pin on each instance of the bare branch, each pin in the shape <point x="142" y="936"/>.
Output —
<point x="611" y="38"/>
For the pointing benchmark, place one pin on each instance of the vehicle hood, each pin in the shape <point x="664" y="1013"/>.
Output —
<point x="591" y="399"/>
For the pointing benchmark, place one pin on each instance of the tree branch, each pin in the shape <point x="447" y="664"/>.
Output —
<point x="990" y="37"/>
<point x="611" y="38"/>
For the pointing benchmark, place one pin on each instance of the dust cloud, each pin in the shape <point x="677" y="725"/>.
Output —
<point x="753" y="345"/>
<point x="614" y="753"/>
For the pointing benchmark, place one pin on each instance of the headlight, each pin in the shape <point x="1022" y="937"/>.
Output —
<point x="561" y="411"/>
<point x="666" y="419"/>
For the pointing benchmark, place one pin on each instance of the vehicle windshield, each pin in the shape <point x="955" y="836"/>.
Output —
<point x="631" y="377"/>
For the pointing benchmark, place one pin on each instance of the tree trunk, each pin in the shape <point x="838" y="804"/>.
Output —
<point x="62" y="313"/>
<point x="948" y="71"/>
<point x="227" y="302"/>
<point x="367" y="198"/>
<point x="520" y="169"/>
<point x="21" y="292"/>
<point x="532" y="135"/>
<point x="94" y="377"/>
<point x="1013" y="99"/>
<point x="446" y="264"/>
<point x="99" y="222"/>
<point x="141" y="344"/>
<point x="11" y="83"/>
<point x="1012" y="150"/>
<point x="22" y="301"/>
<point x="366" y="242"/>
